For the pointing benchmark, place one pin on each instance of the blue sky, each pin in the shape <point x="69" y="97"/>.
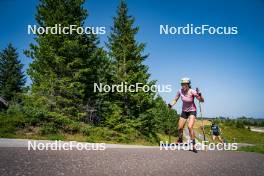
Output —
<point x="228" y="69"/>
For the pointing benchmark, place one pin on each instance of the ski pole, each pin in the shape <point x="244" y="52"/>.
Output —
<point x="169" y="123"/>
<point x="200" y="107"/>
<point x="201" y="114"/>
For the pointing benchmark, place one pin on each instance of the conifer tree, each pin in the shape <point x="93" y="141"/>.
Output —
<point x="12" y="78"/>
<point x="127" y="55"/>
<point x="65" y="66"/>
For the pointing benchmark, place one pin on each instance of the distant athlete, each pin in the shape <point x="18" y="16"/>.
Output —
<point x="187" y="96"/>
<point x="215" y="131"/>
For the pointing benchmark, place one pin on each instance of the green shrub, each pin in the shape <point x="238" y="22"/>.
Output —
<point x="239" y="124"/>
<point x="124" y="128"/>
<point x="86" y="130"/>
<point x="34" y="115"/>
<point x="124" y="139"/>
<point x="48" y="128"/>
<point x="73" y="127"/>
<point x="14" y="109"/>
<point x="59" y="119"/>
<point x="10" y="123"/>
<point x="113" y="116"/>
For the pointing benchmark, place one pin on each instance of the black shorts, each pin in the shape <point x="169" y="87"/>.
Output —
<point x="216" y="134"/>
<point x="186" y="115"/>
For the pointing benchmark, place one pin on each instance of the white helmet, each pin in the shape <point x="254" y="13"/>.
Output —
<point x="186" y="80"/>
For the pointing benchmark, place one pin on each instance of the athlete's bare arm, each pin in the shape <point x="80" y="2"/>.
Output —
<point x="174" y="101"/>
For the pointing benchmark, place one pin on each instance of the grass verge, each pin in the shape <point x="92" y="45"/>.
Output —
<point x="256" y="149"/>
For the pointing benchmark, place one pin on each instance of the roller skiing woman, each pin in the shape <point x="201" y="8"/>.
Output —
<point x="188" y="109"/>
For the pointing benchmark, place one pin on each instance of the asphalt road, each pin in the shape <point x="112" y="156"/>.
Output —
<point x="128" y="161"/>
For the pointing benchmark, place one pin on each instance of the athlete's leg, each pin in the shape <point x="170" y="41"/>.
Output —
<point x="190" y="126"/>
<point x="181" y="124"/>
<point x="191" y="131"/>
<point x="220" y="139"/>
<point x="213" y="137"/>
